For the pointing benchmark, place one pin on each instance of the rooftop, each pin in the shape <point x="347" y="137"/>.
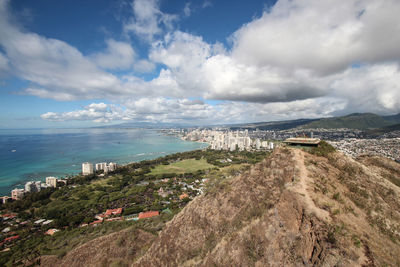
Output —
<point x="302" y="140"/>
<point x="113" y="211"/>
<point x="148" y="214"/>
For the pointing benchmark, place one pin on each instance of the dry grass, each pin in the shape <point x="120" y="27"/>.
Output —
<point x="116" y="249"/>
<point x="257" y="218"/>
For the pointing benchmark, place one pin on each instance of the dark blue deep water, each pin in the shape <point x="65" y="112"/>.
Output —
<point x="34" y="154"/>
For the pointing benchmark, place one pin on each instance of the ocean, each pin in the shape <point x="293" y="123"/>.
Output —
<point x="27" y="155"/>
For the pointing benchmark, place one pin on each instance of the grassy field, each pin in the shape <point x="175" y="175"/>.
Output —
<point x="188" y="165"/>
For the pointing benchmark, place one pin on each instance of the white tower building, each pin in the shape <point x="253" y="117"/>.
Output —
<point x="258" y="144"/>
<point x="110" y="167"/>
<point x="51" y="181"/>
<point x="30" y="187"/>
<point x="38" y="185"/>
<point x="87" y="168"/>
<point x="17" y="194"/>
<point x="101" y="166"/>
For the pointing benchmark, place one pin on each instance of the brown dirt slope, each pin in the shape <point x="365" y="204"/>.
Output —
<point x="292" y="209"/>
<point x="116" y="249"/>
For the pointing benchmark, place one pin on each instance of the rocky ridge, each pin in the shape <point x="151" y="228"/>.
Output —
<point x="292" y="209"/>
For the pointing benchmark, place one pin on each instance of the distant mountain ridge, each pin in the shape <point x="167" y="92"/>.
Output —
<point x="359" y="121"/>
<point x="393" y="118"/>
<point x="379" y="131"/>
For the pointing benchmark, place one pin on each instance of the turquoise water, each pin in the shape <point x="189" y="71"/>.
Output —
<point x="34" y="154"/>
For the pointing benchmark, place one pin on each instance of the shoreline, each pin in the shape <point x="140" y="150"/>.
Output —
<point x="148" y="156"/>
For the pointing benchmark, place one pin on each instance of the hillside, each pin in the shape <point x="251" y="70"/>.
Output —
<point x="116" y="249"/>
<point x="393" y="118"/>
<point x="383" y="130"/>
<point x="359" y="121"/>
<point x="292" y="209"/>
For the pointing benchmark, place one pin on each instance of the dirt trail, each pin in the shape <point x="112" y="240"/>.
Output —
<point x="301" y="186"/>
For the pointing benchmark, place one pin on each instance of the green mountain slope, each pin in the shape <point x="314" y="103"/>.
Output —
<point x="383" y="130"/>
<point x="360" y="121"/>
<point x="393" y="118"/>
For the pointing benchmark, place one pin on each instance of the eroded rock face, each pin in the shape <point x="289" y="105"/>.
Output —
<point x="292" y="209"/>
<point x="118" y="248"/>
<point x="254" y="219"/>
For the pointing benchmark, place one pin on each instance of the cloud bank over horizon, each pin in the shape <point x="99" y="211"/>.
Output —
<point x="304" y="58"/>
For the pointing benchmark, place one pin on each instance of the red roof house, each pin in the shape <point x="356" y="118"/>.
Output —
<point x="9" y="216"/>
<point x="11" y="238"/>
<point x="113" y="212"/>
<point x="51" y="231"/>
<point x="96" y="222"/>
<point x="148" y="214"/>
<point x="183" y="196"/>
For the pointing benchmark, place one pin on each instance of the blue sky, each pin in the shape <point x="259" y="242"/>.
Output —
<point x="87" y="63"/>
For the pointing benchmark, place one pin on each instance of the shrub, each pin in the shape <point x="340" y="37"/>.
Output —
<point x="356" y="241"/>
<point x="336" y="196"/>
<point x="331" y="237"/>
<point x="323" y="149"/>
<point x="121" y="241"/>
<point x="61" y="253"/>
<point x="118" y="263"/>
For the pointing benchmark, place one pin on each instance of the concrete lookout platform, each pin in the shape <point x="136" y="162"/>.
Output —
<point x="302" y="141"/>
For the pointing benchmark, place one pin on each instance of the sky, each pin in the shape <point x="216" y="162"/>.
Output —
<point x="98" y="62"/>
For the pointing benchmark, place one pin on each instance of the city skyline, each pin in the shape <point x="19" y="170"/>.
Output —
<point x="73" y="64"/>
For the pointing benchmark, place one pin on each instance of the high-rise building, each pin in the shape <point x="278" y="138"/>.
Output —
<point x="247" y="142"/>
<point x="264" y="144"/>
<point x="30" y="187"/>
<point x="17" y="194"/>
<point x="38" y="185"/>
<point x="258" y="144"/>
<point x="111" y="166"/>
<point x="87" y="168"/>
<point x="101" y="166"/>
<point x="51" y="181"/>
<point x="232" y="146"/>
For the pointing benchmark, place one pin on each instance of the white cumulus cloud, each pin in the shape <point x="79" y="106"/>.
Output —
<point x="97" y="112"/>
<point x="302" y="58"/>
<point x="148" y="21"/>
<point x="119" y="55"/>
<point x="323" y="36"/>
<point x="3" y="62"/>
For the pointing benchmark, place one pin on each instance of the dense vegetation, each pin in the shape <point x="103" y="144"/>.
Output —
<point x="323" y="149"/>
<point x="379" y="131"/>
<point x="361" y="121"/>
